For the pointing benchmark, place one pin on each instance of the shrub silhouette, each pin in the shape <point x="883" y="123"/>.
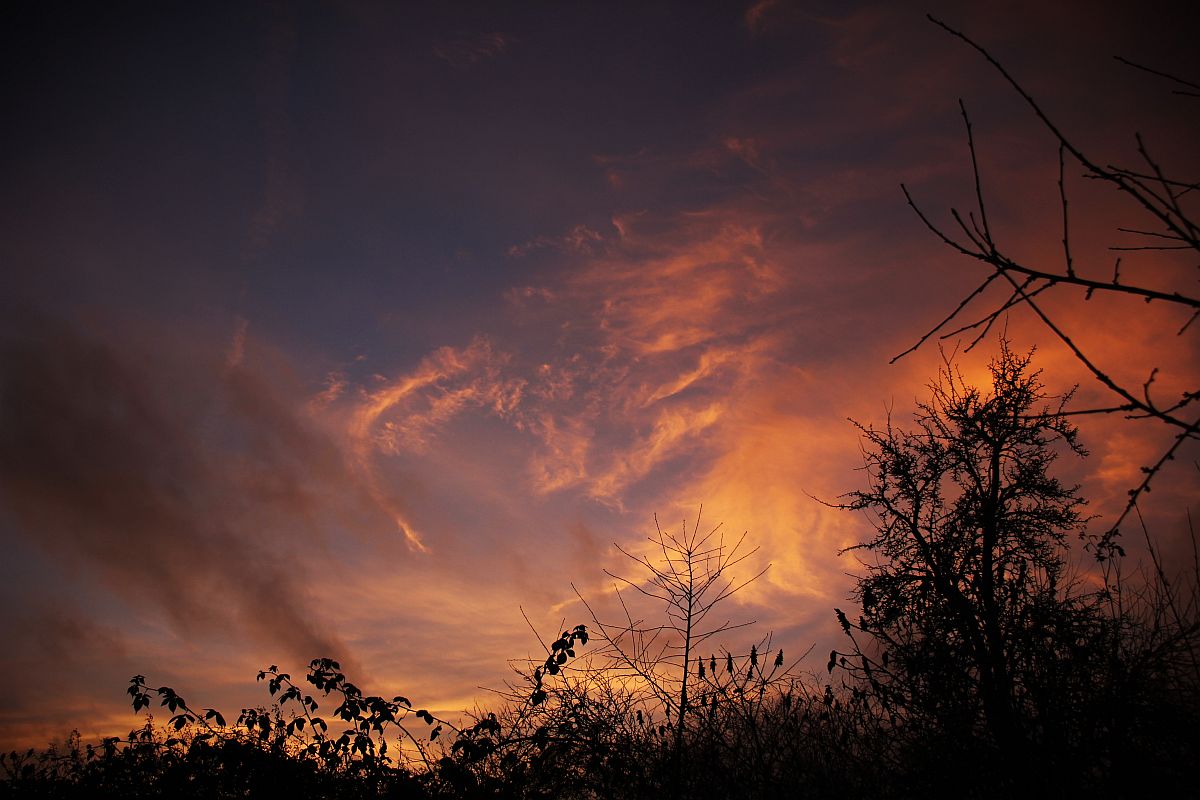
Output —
<point x="339" y="743"/>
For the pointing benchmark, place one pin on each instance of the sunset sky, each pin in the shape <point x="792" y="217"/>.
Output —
<point x="354" y="328"/>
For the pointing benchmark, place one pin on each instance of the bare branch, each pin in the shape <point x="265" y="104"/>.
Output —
<point x="1166" y="75"/>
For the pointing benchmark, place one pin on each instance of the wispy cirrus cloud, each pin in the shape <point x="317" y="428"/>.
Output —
<point x="467" y="50"/>
<point x="404" y="414"/>
<point x="580" y="239"/>
<point x="664" y="368"/>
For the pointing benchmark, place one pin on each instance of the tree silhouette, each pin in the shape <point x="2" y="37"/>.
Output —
<point x="967" y="604"/>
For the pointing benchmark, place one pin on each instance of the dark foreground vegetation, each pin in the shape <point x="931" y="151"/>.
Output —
<point x="998" y="645"/>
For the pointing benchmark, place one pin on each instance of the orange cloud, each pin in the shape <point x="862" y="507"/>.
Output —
<point x="403" y="414"/>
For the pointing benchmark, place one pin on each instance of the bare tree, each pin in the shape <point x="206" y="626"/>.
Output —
<point x="1165" y="224"/>
<point x="689" y="575"/>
